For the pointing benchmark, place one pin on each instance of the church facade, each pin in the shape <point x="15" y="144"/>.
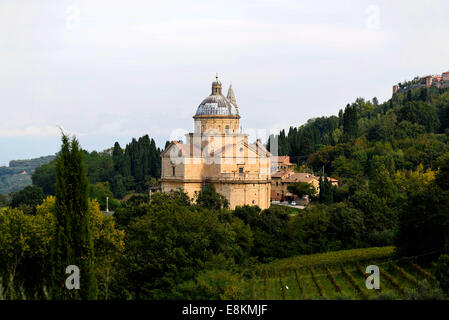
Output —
<point x="218" y="153"/>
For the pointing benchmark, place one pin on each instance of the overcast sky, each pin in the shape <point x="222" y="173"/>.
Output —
<point x="111" y="70"/>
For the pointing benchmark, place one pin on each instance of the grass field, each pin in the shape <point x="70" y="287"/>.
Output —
<point x="336" y="275"/>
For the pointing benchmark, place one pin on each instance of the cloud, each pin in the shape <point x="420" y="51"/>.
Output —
<point x="45" y="131"/>
<point x="128" y="70"/>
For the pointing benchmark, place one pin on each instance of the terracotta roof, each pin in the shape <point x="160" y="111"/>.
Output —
<point x="281" y="159"/>
<point x="290" y="176"/>
<point x="279" y="174"/>
<point x="300" y="177"/>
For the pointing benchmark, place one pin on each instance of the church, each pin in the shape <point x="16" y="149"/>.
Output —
<point x="218" y="152"/>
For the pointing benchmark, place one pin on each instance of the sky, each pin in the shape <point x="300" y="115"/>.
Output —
<point x="112" y="70"/>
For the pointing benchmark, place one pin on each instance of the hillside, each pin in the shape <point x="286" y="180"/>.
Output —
<point x="18" y="174"/>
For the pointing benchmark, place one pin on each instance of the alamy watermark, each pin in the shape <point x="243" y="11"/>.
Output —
<point x="372" y="20"/>
<point x="72" y="21"/>
<point x="72" y="281"/>
<point x="373" y="280"/>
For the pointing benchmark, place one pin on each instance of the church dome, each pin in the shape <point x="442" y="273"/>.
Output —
<point x="216" y="103"/>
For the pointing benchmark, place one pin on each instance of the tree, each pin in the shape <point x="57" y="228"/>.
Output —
<point x="424" y="223"/>
<point x="442" y="272"/>
<point x="101" y="191"/>
<point x="307" y="231"/>
<point x="3" y="200"/>
<point x="269" y="228"/>
<point x="377" y="215"/>
<point x="442" y="176"/>
<point x="302" y="189"/>
<point x="421" y="113"/>
<point x="107" y="238"/>
<point x="118" y="186"/>
<point x="45" y="177"/>
<point x="350" y="124"/>
<point x="326" y="194"/>
<point x="118" y="159"/>
<point x="346" y="226"/>
<point x="210" y="198"/>
<point x="24" y="242"/>
<point x="213" y="285"/>
<point x="28" y="198"/>
<point x="72" y="243"/>
<point x="382" y="184"/>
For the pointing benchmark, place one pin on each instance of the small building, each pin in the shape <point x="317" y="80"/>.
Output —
<point x="280" y="180"/>
<point x="281" y="163"/>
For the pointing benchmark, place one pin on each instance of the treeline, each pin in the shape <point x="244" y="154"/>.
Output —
<point x="365" y="129"/>
<point x="113" y="172"/>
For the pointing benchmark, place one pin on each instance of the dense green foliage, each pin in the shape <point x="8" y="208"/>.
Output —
<point x="396" y="133"/>
<point x="25" y="241"/>
<point x="442" y="272"/>
<point x="27" y="199"/>
<point x="301" y="189"/>
<point x="3" y="200"/>
<point x="170" y="242"/>
<point x="210" y="198"/>
<point x="134" y="169"/>
<point x="424" y="220"/>
<point x="392" y="159"/>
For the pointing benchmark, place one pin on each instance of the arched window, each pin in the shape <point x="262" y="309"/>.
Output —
<point x="227" y="129"/>
<point x="174" y="172"/>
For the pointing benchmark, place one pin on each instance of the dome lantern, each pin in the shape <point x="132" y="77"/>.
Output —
<point x="216" y="87"/>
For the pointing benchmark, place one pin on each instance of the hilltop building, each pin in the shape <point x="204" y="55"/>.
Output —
<point x="218" y="153"/>
<point x="437" y="81"/>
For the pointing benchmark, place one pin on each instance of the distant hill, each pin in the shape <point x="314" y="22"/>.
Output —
<point x="18" y="174"/>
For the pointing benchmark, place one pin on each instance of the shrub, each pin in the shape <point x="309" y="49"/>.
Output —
<point x="212" y="285"/>
<point x="442" y="272"/>
<point x="424" y="291"/>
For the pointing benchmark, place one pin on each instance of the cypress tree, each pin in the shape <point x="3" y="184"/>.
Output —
<point x="72" y="242"/>
<point x="326" y="191"/>
<point x="118" y="159"/>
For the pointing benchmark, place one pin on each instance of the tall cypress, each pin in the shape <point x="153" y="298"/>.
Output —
<point x="326" y="191"/>
<point x="118" y="159"/>
<point x="72" y="242"/>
